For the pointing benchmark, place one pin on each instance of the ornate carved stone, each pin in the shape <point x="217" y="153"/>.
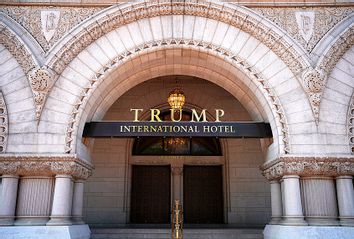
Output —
<point x="41" y="80"/>
<point x="350" y="124"/>
<point x="337" y="50"/>
<point x="49" y="23"/>
<point x="49" y="165"/>
<point x="228" y="14"/>
<point x="324" y="18"/>
<point x="3" y="124"/>
<point x="45" y="27"/>
<point x="240" y="63"/>
<point x="308" y="166"/>
<point x="305" y="22"/>
<point x="17" y="48"/>
<point x="314" y="82"/>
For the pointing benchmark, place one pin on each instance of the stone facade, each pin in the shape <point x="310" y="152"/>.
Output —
<point x="64" y="64"/>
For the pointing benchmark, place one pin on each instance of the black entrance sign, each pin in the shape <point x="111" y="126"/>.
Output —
<point x="178" y="129"/>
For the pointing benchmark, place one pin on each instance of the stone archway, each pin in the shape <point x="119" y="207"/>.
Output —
<point x="256" y="49"/>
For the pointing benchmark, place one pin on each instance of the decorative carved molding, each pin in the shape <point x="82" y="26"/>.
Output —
<point x="41" y="81"/>
<point x="273" y="100"/>
<point x="343" y="43"/>
<point x="314" y="82"/>
<point x="308" y="166"/>
<point x="225" y="13"/>
<point x="16" y="48"/>
<point x="325" y="18"/>
<point x="3" y="124"/>
<point x="30" y="18"/>
<point x="350" y="124"/>
<point x="45" y="165"/>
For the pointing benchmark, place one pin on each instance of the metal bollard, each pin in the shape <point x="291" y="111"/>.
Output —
<point x="177" y="221"/>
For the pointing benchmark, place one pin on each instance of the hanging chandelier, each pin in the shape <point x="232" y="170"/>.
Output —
<point x="176" y="99"/>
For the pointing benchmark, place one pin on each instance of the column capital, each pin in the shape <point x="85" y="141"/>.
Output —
<point x="45" y="165"/>
<point x="63" y="176"/>
<point x="177" y="170"/>
<point x="9" y="176"/>
<point x="345" y="177"/>
<point x="291" y="176"/>
<point x="308" y="166"/>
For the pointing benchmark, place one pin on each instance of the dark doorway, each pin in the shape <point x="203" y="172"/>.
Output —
<point x="203" y="195"/>
<point x="150" y="196"/>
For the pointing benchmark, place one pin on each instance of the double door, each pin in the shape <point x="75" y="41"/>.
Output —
<point x="151" y="194"/>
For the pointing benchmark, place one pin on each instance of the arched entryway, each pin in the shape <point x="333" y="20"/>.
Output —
<point x="241" y="194"/>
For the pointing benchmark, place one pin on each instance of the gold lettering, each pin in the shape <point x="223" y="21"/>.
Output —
<point x="206" y="129"/>
<point x="136" y="114"/>
<point x="173" y="111"/>
<point x="198" y="117"/>
<point x="218" y="114"/>
<point x="155" y="115"/>
<point x="152" y="128"/>
<point x="126" y="129"/>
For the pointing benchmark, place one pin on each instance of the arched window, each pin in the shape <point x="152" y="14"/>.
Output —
<point x="206" y="146"/>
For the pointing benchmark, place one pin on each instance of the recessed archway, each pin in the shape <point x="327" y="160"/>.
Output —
<point x="114" y="161"/>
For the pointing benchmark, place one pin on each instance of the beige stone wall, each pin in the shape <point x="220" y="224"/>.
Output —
<point x="246" y="192"/>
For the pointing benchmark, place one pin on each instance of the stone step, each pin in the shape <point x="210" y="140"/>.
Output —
<point x="134" y="233"/>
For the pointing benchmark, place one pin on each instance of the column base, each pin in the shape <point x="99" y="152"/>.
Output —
<point x="307" y="232"/>
<point x="346" y="221"/>
<point x="59" y="221"/>
<point x="275" y="221"/>
<point x="77" y="221"/>
<point x="45" y="232"/>
<point x="31" y="221"/>
<point x="6" y="221"/>
<point x="322" y="221"/>
<point x="293" y="221"/>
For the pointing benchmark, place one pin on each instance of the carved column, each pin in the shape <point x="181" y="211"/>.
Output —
<point x="276" y="200"/>
<point x="345" y="194"/>
<point x="8" y="196"/>
<point x="78" y="201"/>
<point x="34" y="200"/>
<point x="62" y="201"/>
<point x="293" y="214"/>
<point x="177" y="183"/>
<point x="319" y="201"/>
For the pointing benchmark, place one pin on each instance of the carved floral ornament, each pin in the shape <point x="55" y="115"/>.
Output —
<point x="3" y="124"/>
<point x="34" y="165"/>
<point x="256" y="77"/>
<point x="41" y="81"/>
<point x="308" y="166"/>
<point x="17" y="48"/>
<point x="314" y="81"/>
<point x="225" y="13"/>
<point x="350" y="124"/>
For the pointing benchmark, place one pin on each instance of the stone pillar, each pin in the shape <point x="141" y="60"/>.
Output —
<point x="293" y="214"/>
<point x="276" y="199"/>
<point x="62" y="201"/>
<point x="319" y="201"/>
<point x="345" y="195"/>
<point x="177" y="183"/>
<point x="78" y="202"/>
<point x="8" y="196"/>
<point x="34" y="200"/>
